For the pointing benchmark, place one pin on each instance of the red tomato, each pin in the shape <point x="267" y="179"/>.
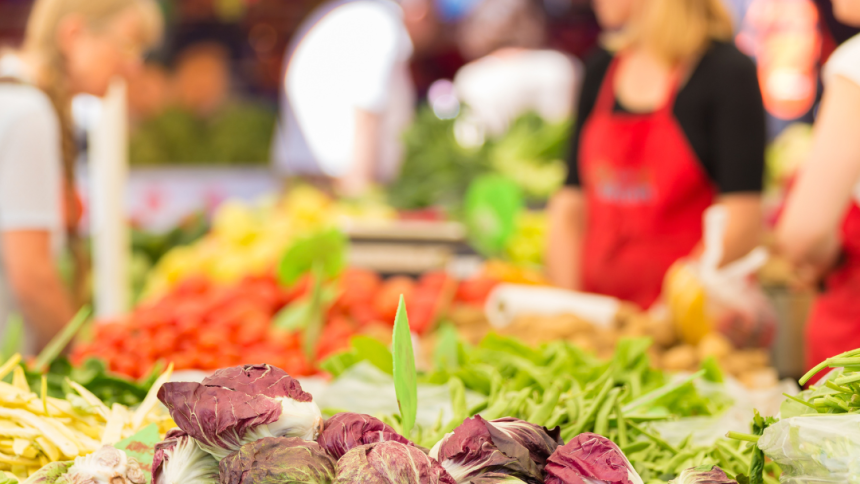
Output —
<point x="388" y="298"/>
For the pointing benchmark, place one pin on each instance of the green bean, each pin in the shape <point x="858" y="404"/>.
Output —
<point x="657" y="440"/>
<point x="573" y="409"/>
<point x="556" y="417"/>
<point x="621" y="423"/>
<point x="601" y="425"/>
<point x="543" y="411"/>
<point x="592" y="411"/>
<point x="635" y="447"/>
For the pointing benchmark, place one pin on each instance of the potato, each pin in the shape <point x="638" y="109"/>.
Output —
<point x="714" y="344"/>
<point x="680" y="358"/>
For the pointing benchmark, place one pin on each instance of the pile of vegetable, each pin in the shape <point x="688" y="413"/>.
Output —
<point x="751" y="366"/>
<point x="206" y="326"/>
<point x="238" y="134"/>
<point x="37" y="429"/>
<point x="438" y="169"/>
<point x="815" y="438"/>
<point x="558" y="385"/>
<point x="249" y="240"/>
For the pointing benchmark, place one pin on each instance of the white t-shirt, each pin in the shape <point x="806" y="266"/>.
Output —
<point x="30" y="170"/>
<point x="845" y="62"/>
<point x="356" y="57"/>
<point x="500" y="88"/>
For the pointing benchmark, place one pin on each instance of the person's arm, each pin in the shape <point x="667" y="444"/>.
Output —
<point x="566" y="233"/>
<point x="744" y="226"/>
<point x="737" y="140"/>
<point x="368" y="137"/>
<point x="807" y="233"/>
<point x="34" y="281"/>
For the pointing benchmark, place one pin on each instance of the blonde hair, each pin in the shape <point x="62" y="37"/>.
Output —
<point x="676" y="30"/>
<point x="40" y="42"/>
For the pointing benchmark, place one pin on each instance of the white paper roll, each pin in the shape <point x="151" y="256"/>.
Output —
<point x="508" y="301"/>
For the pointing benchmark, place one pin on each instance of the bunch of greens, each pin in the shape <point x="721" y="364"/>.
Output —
<point x="238" y="134"/>
<point x="437" y="170"/>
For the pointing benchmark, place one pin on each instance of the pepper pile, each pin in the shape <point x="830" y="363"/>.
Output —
<point x="203" y="325"/>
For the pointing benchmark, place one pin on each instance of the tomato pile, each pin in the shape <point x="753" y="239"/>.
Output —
<point x="202" y="325"/>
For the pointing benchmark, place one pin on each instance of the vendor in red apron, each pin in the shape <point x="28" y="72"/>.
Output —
<point x="820" y="228"/>
<point x="670" y="122"/>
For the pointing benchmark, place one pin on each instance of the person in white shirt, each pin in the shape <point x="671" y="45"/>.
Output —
<point x="347" y="93"/>
<point x="70" y="47"/>
<point x="820" y="228"/>
<point x="510" y="72"/>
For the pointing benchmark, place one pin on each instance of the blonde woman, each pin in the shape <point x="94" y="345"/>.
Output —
<point x="820" y="228"/>
<point x="70" y="47"/>
<point x="670" y="121"/>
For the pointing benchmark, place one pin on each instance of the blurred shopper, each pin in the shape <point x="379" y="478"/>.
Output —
<point x="511" y="73"/>
<point x="670" y="121"/>
<point x="70" y="47"/>
<point x="348" y="93"/>
<point x="820" y="228"/>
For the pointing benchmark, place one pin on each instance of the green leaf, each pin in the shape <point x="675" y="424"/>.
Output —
<point x="339" y="362"/>
<point x="328" y="249"/>
<point x="61" y="340"/>
<point x="372" y="350"/>
<point x="141" y="446"/>
<point x="713" y="373"/>
<point x="405" y="377"/>
<point x="511" y="346"/>
<point x="13" y="337"/>
<point x="446" y="355"/>
<point x="492" y="203"/>
<point x="314" y="322"/>
<point x="295" y="316"/>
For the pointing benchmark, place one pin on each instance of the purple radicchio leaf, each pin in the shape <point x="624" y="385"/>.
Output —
<point x="588" y="458"/>
<point x="703" y="475"/>
<point x="275" y="460"/>
<point x="478" y="446"/>
<point x="346" y="431"/>
<point x="179" y="460"/>
<point x="390" y="463"/>
<point x="238" y="405"/>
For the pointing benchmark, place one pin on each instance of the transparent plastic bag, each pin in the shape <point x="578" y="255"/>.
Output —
<point x="704" y="297"/>
<point x="815" y="449"/>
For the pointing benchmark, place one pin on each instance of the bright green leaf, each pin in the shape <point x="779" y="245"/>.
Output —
<point x="372" y="350"/>
<point x="405" y="377"/>
<point x="326" y="248"/>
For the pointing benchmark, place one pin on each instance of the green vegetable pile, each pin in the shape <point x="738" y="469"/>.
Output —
<point x="239" y="134"/>
<point x="558" y="384"/>
<point x="437" y="170"/>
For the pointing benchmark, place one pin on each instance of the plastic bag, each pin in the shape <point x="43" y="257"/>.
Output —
<point x="704" y="297"/>
<point x="815" y="449"/>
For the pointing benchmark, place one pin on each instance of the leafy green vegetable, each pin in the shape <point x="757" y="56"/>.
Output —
<point x="326" y="248"/>
<point x="405" y="377"/>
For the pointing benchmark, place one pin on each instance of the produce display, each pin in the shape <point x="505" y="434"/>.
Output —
<point x="37" y="429"/>
<point x="438" y="166"/>
<point x="249" y="240"/>
<point x="203" y="325"/>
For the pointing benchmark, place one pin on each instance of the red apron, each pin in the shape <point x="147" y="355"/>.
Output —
<point x="646" y="192"/>
<point x="834" y="325"/>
